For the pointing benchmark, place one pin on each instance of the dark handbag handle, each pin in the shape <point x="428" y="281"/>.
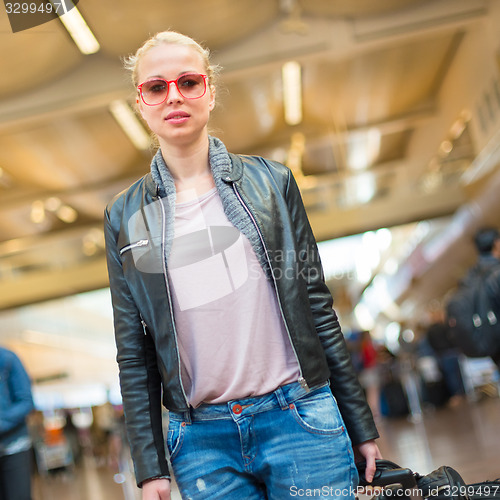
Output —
<point x="387" y="473"/>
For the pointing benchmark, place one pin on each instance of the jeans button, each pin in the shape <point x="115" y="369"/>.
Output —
<point x="237" y="409"/>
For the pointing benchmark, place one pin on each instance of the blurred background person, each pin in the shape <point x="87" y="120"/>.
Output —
<point x="16" y="403"/>
<point x="493" y="288"/>
<point x="439" y="338"/>
<point x="486" y="269"/>
<point x="487" y="242"/>
<point x="370" y="376"/>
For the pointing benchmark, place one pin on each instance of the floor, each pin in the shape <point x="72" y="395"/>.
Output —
<point x="465" y="436"/>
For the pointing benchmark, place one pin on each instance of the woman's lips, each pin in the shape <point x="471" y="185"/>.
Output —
<point x="177" y="117"/>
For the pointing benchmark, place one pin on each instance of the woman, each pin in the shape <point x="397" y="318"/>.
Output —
<point x="221" y="310"/>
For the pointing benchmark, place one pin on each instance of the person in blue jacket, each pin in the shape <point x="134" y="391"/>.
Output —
<point x="16" y="403"/>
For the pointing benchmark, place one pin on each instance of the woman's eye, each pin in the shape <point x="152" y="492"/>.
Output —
<point x="157" y="88"/>
<point x="154" y="87"/>
<point x="189" y="83"/>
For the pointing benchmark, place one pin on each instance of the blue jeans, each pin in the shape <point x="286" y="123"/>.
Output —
<point x="285" y="444"/>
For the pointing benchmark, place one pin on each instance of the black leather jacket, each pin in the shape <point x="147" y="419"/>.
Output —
<point x="148" y="356"/>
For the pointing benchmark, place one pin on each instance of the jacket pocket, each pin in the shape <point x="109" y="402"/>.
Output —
<point x="131" y="246"/>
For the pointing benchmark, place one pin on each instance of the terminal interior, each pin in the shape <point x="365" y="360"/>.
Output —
<point x="388" y="114"/>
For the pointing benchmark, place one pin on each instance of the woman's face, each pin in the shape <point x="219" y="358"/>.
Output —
<point x="178" y="120"/>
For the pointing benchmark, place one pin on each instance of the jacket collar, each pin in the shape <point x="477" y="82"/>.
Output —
<point x="225" y="166"/>
<point x="151" y="186"/>
<point x="236" y="171"/>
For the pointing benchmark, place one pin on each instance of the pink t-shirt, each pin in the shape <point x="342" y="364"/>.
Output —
<point x="232" y="339"/>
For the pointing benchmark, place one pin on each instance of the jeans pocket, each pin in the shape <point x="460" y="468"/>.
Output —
<point x="318" y="413"/>
<point x="175" y="437"/>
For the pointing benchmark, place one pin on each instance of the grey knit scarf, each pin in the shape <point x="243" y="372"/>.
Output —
<point x="221" y="165"/>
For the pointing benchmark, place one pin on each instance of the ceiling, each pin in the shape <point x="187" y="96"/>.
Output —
<point x="401" y="122"/>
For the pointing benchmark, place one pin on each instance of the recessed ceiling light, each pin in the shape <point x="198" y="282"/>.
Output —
<point x="77" y="27"/>
<point x="292" y="92"/>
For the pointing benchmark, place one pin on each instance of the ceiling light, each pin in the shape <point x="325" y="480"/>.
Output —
<point x="53" y="203"/>
<point x="445" y="148"/>
<point x="67" y="214"/>
<point x="292" y="92"/>
<point x="130" y="124"/>
<point x="363" y="148"/>
<point x="457" y="128"/>
<point x="37" y="215"/>
<point x="76" y="26"/>
<point x="10" y="247"/>
<point x="92" y="241"/>
<point x="360" y="189"/>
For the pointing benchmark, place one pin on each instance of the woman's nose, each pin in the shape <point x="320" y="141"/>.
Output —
<point x="173" y="93"/>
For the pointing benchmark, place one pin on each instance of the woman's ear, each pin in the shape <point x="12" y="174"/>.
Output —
<point x="139" y="107"/>
<point x="212" y="97"/>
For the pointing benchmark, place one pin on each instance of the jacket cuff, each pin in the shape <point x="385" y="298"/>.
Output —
<point x="153" y="478"/>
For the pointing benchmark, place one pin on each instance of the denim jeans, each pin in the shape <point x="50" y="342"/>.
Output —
<point x="290" y="443"/>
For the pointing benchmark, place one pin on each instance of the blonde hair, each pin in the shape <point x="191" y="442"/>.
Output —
<point x="170" y="37"/>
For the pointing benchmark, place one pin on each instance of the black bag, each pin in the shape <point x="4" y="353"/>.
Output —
<point x="484" y="490"/>
<point x="474" y="327"/>
<point x="444" y="483"/>
<point x="393" y="399"/>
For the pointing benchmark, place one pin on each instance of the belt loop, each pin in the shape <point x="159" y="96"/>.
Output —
<point x="187" y="416"/>
<point x="280" y="396"/>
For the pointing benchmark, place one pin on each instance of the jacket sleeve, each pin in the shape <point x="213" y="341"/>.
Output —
<point x="343" y="379"/>
<point x="139" y="376"/>
<point x="19" y="388"/>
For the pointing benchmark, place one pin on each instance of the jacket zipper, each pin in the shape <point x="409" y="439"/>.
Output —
<point x="170" y="300"/>
<point x="140" y="243"/>
<point x="302" y="381"/>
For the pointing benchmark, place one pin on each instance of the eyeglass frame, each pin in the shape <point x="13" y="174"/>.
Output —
<point x="168" y="82"/>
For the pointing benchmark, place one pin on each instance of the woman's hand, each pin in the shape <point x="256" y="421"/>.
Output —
<point x="368" y="451"/>
<point x="156" y="489"/>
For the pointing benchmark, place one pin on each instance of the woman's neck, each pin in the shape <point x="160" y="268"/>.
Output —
<point x="189" y="167"/>
<point x="185" y="161"/>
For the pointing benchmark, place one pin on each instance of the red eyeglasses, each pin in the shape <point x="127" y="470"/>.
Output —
<point x="190" y="86"/>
